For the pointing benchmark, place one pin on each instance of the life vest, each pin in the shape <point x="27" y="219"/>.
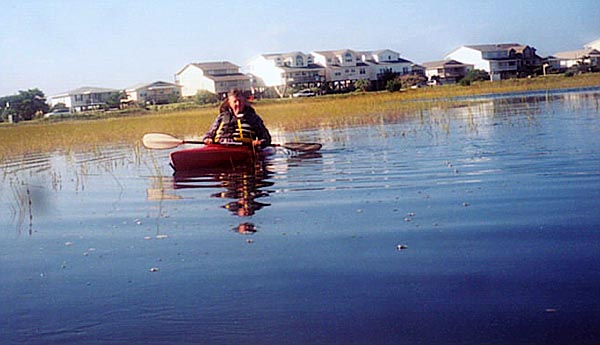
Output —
<point x="236" y="128"/>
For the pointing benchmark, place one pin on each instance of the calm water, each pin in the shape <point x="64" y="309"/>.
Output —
<point x="495" y="206"/>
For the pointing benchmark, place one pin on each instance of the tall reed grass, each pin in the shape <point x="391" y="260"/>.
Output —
<point x="285" y="115"/>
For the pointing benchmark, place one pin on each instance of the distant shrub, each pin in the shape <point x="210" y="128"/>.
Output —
<point x="474" y="75"/>
<point x="205" y="97"/>
<point x="393" y="85"/>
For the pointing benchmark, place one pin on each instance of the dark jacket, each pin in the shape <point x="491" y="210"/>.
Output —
<point x="247" y="126"/>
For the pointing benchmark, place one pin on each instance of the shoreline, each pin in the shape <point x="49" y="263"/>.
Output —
<point x="287" y="115"/>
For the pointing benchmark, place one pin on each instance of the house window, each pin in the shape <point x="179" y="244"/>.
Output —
<point x="299" y="61"/>
<point x="347" y="57"/>
<point x="362" y="71"/>
<point x="405" y="70"/>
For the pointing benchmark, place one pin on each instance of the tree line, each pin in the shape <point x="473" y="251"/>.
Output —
<point x="31" y="104"/>
<point x="26" y="105"/>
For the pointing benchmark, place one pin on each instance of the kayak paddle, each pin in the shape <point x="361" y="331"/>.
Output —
<point x="166" y="141"/>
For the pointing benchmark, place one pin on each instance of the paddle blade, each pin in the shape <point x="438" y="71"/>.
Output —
<point x="302" y="147"/>
<point x="160" y="141"/>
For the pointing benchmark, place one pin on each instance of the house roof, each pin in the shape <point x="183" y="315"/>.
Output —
<point x="312" y="66"/>
<point x="227" y="77"/>
<point x="443" y="63"/>
<point x="215" y="65"/>
<point x="594" y="44"/>
<point x="496" y="47"/>
<point x="85" y="90"/>
<point x="210" y="66"/>
<point x="577" y="54"/>
<point x="399" y="60"/>
<point x="332" y="53"/>
<point x="156" y="85"/>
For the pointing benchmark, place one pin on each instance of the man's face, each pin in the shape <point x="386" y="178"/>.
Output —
<point x="236" y="104"/>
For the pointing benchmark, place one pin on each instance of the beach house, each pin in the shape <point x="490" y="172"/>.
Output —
<point x="83" y="99"/>
<point x="214" y="77"/>
<point x="446" y="71"/>
<point x="501" y="61"/>
<point x="158" y="92"/>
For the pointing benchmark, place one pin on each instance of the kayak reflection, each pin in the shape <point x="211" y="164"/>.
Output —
<point x="243" y="186"/>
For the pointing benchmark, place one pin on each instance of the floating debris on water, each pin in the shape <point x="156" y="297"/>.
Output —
<point x="68" y="243"/>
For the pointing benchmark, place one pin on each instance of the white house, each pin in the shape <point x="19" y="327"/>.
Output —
<point x="286" y="68"/>
<point x="350" y="65"/>
<point x="84" y="98"/>
<point x="446" y="71"/>
<point x="593" y="45"/>
<point x="215" y="77"/>
<point x="337" y="67"/>
<point x="385" y="60"/>
<point x="159" y="92"/>
<point x="501" y="61"/>
<point x="565" y="60"/>
<point x="342" y="65"/>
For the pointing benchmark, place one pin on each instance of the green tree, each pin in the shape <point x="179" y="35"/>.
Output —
<point x="24" y="106"/>
<point x="474" y="75"/>
<point x="410" y="80"/>
<point x="205" y="97"/>
<point x="386" y="79"/>
<point x="362" y="85"/>
<point x="113" y="101"/>
<point x="393" y="85"/>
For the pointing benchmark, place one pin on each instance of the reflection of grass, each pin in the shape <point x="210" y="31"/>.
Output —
<point x="289" y="115"/>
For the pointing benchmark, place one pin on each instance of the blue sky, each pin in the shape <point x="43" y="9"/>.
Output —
<point x="58" y="46"/>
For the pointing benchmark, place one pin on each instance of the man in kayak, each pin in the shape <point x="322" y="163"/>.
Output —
<point x="238" y="122"/>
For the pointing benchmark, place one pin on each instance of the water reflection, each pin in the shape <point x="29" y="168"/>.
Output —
<point x="482" y="197"/>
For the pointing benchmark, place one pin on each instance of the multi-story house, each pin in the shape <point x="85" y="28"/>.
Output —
<point x="446" y="71"/>
<point x="501" y="61"/>
<point x="562" y="61"/>
<point x="345" y="66"/>
<point x="159" y="92"/>
<point x="83" y="99"/>
<point x="384" y="61"/>
<point x="342" y="66"/>
<point x="281" y="70"/>
<point x="337" y="68"/>
<point x="215" y="77"/>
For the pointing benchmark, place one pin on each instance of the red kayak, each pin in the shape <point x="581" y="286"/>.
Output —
<point x="213" y="156"/>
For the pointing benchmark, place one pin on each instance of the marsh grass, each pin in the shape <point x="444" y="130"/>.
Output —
<point x="287" y="115"/>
